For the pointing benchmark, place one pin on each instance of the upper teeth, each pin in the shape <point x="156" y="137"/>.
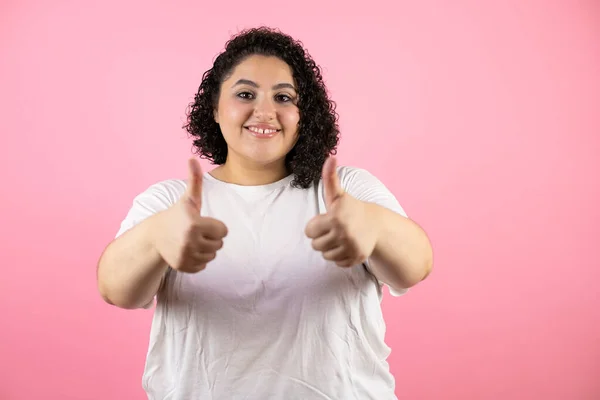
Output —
<point x="258" y="130"/>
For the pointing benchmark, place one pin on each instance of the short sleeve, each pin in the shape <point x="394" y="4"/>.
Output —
<point x="156" y="198"/>
<point x="364" y="186"/>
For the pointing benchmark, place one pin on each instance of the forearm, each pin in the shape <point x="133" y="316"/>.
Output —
<point x="130" y="269"/>
<point x="403" y="255"/>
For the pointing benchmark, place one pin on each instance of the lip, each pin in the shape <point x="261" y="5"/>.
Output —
<point x="263" y="127"/>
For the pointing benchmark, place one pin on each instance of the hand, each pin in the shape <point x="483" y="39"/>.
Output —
<point x="184" y="239"/>
<point x="344" y="234"/>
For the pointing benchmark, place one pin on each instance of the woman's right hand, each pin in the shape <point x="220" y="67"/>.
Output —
<point x="185" y="240"/>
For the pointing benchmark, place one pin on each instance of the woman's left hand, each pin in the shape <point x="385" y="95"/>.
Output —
<point x="344" y="233"/>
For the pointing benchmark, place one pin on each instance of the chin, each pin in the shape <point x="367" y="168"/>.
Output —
<point x="265" y="159"/>
<point x="263" y="155"/>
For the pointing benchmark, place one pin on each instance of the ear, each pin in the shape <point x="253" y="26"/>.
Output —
<point x="216" y="115"/>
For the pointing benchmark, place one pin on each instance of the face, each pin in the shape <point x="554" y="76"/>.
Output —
<point x="257" y="112"/>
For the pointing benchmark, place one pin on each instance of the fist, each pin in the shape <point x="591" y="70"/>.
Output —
<point x="343" y="234"/>
<point x="185" y="240"/>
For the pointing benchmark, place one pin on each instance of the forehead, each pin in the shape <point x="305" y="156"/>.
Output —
<point x="264" y="70"/>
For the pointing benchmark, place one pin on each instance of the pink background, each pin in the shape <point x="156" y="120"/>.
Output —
<point x="482" y="117"/>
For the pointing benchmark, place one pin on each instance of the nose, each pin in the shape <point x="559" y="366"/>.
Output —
<point x="265" y="109"/>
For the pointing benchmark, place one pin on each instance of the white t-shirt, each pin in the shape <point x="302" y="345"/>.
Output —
<point x="269" y="318"/>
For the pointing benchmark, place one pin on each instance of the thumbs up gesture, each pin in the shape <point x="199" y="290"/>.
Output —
<point x="343" y="234"/>
<point x="185" y="240"/>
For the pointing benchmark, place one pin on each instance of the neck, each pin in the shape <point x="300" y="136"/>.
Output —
<point x="250" y="174"/>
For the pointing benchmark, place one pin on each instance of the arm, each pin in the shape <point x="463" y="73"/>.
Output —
<point x="130" y="269"/>
<point x="403" y="254"/>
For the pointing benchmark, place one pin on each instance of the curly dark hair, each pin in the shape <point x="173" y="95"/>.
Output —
<point x="318" y="131"/>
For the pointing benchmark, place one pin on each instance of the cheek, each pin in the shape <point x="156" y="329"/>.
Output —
<point x="290" y="119"/>
<point x="233" y="114"/>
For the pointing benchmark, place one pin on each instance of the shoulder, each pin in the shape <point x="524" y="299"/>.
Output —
<point x="169" y="185"/>
<point x="350" y="174"/>
<point x="354" y="178"/>
<point x="365" y="186"/>
<point x="167" y="191"/>
<point x="155" y="198"/>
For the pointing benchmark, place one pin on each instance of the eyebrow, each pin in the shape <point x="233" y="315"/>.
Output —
<point x="254" y="84"/>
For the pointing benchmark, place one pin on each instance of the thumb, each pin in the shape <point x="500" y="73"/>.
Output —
<point x="331" y="181"/>
<point x="194" y="188"/>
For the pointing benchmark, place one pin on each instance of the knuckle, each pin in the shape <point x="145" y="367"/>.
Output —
<point x="316" y="245"/>
<point x="335" y="221"/>
<point x="200" y="267"/>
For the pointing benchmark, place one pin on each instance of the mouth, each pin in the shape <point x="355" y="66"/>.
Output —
<point x="263" y="133"/>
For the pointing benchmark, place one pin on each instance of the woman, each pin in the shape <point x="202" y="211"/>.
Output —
<point x="268" y="270"/>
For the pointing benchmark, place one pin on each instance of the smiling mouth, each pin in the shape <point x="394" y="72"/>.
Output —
<point x="262" y="132"/>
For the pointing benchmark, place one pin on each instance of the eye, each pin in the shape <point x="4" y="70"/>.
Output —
<point x="283" y="98"/>
<point x="245" y="95"/>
